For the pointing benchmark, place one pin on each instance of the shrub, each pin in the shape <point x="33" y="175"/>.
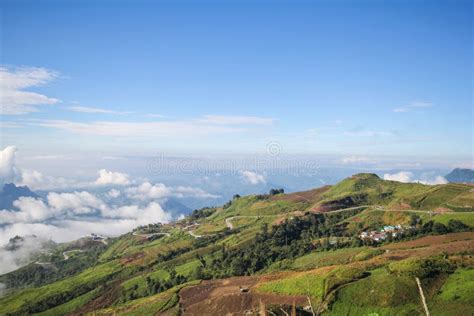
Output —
<point x="421" y="268"/>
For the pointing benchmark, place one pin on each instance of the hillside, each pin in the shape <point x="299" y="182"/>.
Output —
<point x="279" y="253"/>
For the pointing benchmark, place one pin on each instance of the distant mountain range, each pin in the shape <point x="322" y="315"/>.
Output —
<point x="461" y="176"/>
<point x="10" y="193"/>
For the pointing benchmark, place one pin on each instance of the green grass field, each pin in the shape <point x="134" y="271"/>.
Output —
<point x="379" y="294"/>
<point x="72" y="305"/>
<point x="325" y="258"/>
<point x="310" y="284"/>
<point x="466" y="218"/>
<point x="80" y="284"/>
<point x="456" y="296"/>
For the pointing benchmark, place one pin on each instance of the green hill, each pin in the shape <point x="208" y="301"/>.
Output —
<point x="270" y="252"/>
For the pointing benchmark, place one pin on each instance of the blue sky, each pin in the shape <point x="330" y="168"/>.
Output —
<point x="354" y="79"/>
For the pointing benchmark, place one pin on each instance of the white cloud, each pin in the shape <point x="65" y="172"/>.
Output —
<point x="407" y="176"/>
<point x="85" y="109"/>
<point x="114" y="193"/>
<point x="30" y="210"/>
<point x="14" y="99"/>
<point x="139" y="129"/>
<point x="24" y="248"/>
<point x="402" y="176"/>
<point x="63" y="210"/>
<point x="8" y="171"/>
<point x="35" y="180"/>
<point x="33" y="210"/>
<point x="76" y="202"/>
<point x="206" y="125"/>
<point x="252" y="177"/>
<point x="109" y="177"/>
<point x="32" y="178"/>
<point x="413" y="106"/>
<point x="182" y="191"/>
<point x="436" y="180"/>
<point x="148" y="191"/>
<point x="152" y="213"/>
<point x="115" y="222"/>
<point x="4" y="125"/>
<point x="357" y="160"/>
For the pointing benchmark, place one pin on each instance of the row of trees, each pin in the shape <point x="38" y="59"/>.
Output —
<point x="153" y="286"/>
<point x="291" y="239"/>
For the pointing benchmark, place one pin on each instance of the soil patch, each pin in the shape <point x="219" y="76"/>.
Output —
<point x="234" y="296"/>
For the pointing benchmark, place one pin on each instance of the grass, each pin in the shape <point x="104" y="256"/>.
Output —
<point x="316" y="283"/>
<point x="456" y="295"/>
<point x="379" y="294"/>
<point x="150" y="305"/>
<point x="309" y="283"/>
<point x="325" y="258"/>
<point x="140" y="281"/>
<point x="368" y="253"/>
<point x="72" y="305"/>
<point x="466" y="218"/>
<point x="83" y="282"/>
<point x="187" y="268"/>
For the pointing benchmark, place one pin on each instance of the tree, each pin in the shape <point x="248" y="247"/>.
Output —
<point x="439" y="229"/>
<point x="276" y="191"/>
<point x="455" y="225"/>
<point x="414" y="220"/>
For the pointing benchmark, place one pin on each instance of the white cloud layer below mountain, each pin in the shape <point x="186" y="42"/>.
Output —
<point x="407" y="176"/>
<point x="110" y="205"/>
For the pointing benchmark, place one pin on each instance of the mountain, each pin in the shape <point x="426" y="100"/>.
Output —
<point x="461" y="176"/>
<point x="353" y="248"/>
<point x="175" y="208"/>
<point x="10" y="193"/>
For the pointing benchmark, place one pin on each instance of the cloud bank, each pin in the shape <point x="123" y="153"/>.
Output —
<point x="110" y="205"/>
<point x="407" y="176"/>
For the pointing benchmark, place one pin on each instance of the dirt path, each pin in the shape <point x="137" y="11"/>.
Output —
<point x="427" y="312"/>
<point x="198" y="236"/>
<point x="66" y="253"/>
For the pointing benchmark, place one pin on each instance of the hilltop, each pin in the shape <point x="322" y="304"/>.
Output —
<point x="276" y="252"/>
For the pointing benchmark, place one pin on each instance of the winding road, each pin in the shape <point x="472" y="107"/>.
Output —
<point x="66" y="253"/>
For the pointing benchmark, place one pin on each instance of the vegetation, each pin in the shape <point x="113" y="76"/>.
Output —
<point x="296" y="245"/>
